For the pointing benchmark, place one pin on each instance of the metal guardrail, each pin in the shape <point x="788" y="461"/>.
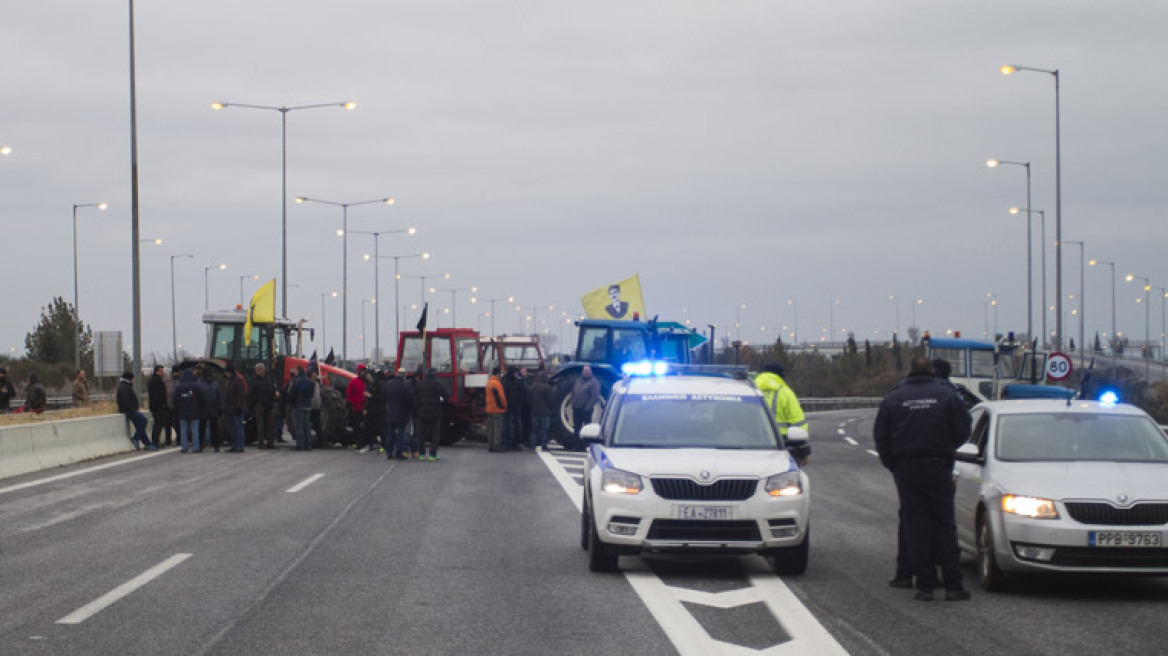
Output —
<point x="62" y="402"/>
<point x="840" y="403"/>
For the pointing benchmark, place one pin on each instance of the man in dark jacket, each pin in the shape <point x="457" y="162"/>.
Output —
<point x="543" y="408"/>
<point x="920" y="424"/>
<point x="300" y="402"/>
<point x="516" y="393"/>
<point x="128" y="405"/>
<point x="212" y="409"/>
<point x="372" y="431"/>
<point x="156" y="399"/>
<point x="261" y="399"/>
<point x="188" y="403"/>
<point x="233" y="407"/>
<point x="35" y="396"/>
<point x="399" y="399"/>
<point x="7" y="391"/>
<point x="428" y="398"/>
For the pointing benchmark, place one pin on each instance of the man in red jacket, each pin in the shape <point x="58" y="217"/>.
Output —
<point x="355" y="395"/>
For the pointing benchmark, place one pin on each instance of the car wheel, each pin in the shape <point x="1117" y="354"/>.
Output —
<point x="793" y="560"/>
<point x="600" y="559"/>
<point x="990" y="577"/>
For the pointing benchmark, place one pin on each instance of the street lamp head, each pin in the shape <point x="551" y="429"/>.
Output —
<point x="222" y="267"/>
<point x="102" y="206"/>
<point x="218" y="105"/>
<point x="1008" y="68"/>
<point x="349" y="105"/>
<point x="411" y="231"/>
<point x="158" y="241"/>
<point x="4" y="150"/>
<point x="426" y="256"/>
<point x="390" y="201"/>
<point x="333" y="294"/>
<point x="1015" y="210"/>
<point x="992" y="163"/>
<point x="1093" y="262"/>
<point x="367" y="256"/>
<point x="301" y="199"/>
<point x="1130" y="277"/>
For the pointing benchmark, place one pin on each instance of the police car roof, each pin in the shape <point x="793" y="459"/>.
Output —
<point x="688" y="385"/>
<point x="1029" y="406"/>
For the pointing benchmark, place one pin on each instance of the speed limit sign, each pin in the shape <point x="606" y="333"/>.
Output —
<point x="1058" y="366"/>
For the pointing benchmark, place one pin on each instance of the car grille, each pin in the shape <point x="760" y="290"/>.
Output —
<point x="1105" y="514"/>
<point x="683" y="489"/>
<point x="704" y="530"/>
<point x="1110" y="557"/>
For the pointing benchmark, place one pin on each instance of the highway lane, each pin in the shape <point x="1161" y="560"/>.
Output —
<point x="479" y="554"/>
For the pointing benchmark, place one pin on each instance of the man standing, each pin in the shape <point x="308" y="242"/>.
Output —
<point x="543" y="408"/>
<point x="300" y="401"/>
<point x="920" y="424"/>
<point x="781" y="399"/>
<point x="156" y="400"/>
<point x="260" y="400"/>
<point x="375" y="430"/>
<point x="80" y="389"/>
<point x="128" y="405"/>
<point x="516" y="400"/>
<point x="585" y="396"/>
<point x="496" y="410"/>
<point x="355" y="398"/>
<point x="429" y="396"/>
<point x="7" y="391"/>
<point x="399" y="400"/>
<point x="233" y="406"/>
<point x="212" y="409"/>
<point x="35" y="396"/>
<point x="188" y="404"/>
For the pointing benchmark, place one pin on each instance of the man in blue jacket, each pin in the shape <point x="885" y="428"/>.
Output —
<point x="300" y="401"/>
<point x="188" y="403"/>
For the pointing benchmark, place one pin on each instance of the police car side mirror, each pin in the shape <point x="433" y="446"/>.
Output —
<point x="968" y="453"/>
<point x="590" y="434"/>
<point x="797" y="436"/>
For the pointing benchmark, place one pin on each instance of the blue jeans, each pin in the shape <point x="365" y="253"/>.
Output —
<point x="302" y="426"/>
<point x="139" y="420"/>
<point x="399" y="438"/>
<point x="189" y="434"/>
<point x="235" y="425"/>
<point x="539" y="431"/>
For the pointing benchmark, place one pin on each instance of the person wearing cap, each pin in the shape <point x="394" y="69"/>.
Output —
<point x="128" y="405"/>
<point x="781" y="399"/>
<point x="7" y="391"/>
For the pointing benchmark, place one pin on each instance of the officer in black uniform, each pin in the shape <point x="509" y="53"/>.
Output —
<point x="920" y="424"/>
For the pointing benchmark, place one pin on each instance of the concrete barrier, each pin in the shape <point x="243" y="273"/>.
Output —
<point x="47" y="444"/>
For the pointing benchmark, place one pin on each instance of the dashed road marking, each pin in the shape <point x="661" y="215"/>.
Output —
<point x="305" y="483"/>
<point x="88" y="470"/>
<point x="113" y="596"/>
<point x="851" y="441"/>
<point x="873" y="452"/>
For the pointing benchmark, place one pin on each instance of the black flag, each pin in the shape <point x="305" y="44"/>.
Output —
<point x="331" y="359"/>
<point x="422" y="320"/>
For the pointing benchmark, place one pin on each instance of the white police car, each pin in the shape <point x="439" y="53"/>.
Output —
<point x="694" y="464"/>
<point x="1058" y="486"/>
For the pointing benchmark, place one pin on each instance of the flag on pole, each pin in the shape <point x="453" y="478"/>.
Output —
<point x="422" y="321"/>
<point x="331" y="358"/>
<point x="262" y="309"/>
<point x="620" y="300"/>
<point x="313" y="365"/>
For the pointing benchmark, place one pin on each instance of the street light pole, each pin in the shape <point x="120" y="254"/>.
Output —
<point x="241" y="279"/>
<point x="76" y="299"/>
<point x="1112" y="265"/>
<point x="1147" y="317"/>
<point x="173" y="315"/>
<point x="509" y="299"/>
<point x="994" y="163"/>
<point x="377" y="279"/>
<point x="793" y="304"/>
<point x="1058" y="198"/>
<point x="1082" y="302"/>
<point x="345" y="259"/>
<point x="896" y="300"/>
<point x="284" y="179"/>
<point x="206" y="285"/>
<point x="453" y="303"/>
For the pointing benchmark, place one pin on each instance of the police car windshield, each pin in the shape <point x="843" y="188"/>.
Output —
<point x="1076" y="436"/>
<point x="693" y="421"/>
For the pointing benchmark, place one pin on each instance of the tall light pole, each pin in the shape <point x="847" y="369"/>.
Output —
<point x="795" y="333"/>
<point x="991" y="300"/>
<point x="396" y="284"/>
<point x="173" y="315"/>
<point x="1147" y="315"/>
<point x="423" y="279"/>
<point x="76" y="302"/>
<point x="411" y="231"/>
<point x="509" y="299"/>
<point x="323" y="316"/>
<point x="284" y="179"/>
<point x="344" y="232"/>
<point x="1058" y="198"/>
<point x="919" y="301"/>
<point x="994" y="163"/>
<point x="135" y="247"/>
<point x="241" y="279"/>
<point x="206" y="283"/>
<point x="831" y="318"/>
<point x="896" y="301"/>
<point x="1042" y="215"/>
<point x="1163" y="297"/>
<point x="372" y="301"/>
<point x="738" y="320"/>
<point x="1112" y="265"/>
<point x="1082" y="302"/>
<point x="453" y="304"/>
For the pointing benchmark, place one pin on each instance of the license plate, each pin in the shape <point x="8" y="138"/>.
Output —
<point x="1124" y="539"/>
<point x="705" y="512"/>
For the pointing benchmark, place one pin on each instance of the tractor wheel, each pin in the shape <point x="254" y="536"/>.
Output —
<point x="333" y="416"/>
<point x="563" y="429"/>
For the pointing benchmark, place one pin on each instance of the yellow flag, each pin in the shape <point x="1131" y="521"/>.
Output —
<point x="262" y="308"/>
<point x="620" y="300"/>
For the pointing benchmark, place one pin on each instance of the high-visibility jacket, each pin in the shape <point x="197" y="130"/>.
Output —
<point x="496" y="397"/>
<point x="781" y="400"/>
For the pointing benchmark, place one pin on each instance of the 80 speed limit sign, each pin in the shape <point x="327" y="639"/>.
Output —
<point x="1058" y="366"/>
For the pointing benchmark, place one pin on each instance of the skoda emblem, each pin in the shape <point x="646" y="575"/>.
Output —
<point x="704" y="475"/>
<point x="1122" y="498"/>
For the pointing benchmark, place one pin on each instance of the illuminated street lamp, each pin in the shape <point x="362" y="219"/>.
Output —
<point x="364" y="350"/>
<point x="994" y="163"/>
<point x="411" y="231"/>
<point x="1082" y="295"/>
<point x="509" y="299"/>
<point x="396" y="283"/>
<point x="453" y="305"/>
<point x="1042" y="217"/>
<point x="4" y="150"/>
<point x="323" y="316"/>
<point x="206" y="285"/>
<point x="173" y="323"/>
<point x="1058" y="197"/>
<point x="738" y="320"/>
<point x="284" y="179"/>
<point x="344" y="233"/>
<point x="795" y="330"/>
<point x="76" y="303"/>
<point x="1112" y="265"/>
<point x="423" y="279"/>
<point x="1147" y="308"/>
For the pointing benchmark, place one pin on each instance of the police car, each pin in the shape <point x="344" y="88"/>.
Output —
<point x="695" y="464"/>
<point x="1063" y="487"/>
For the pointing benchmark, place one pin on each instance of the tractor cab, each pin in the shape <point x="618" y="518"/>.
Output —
<point x="517" y="351"/>
<point x="453" y="354"/>
<point x="226" y="342"/>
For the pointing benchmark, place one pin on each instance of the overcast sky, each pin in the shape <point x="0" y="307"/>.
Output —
<point x="728" y="151"/>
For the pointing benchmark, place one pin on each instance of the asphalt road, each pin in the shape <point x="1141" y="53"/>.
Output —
<point x="479" y="554"/>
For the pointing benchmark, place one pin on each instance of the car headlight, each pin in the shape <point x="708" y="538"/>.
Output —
<point x="1033" y="507"/>
<point x="786" y="484"/>
<point x="615" y="481"/>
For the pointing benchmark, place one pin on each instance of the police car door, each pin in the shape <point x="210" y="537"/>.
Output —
<point x="968" y="479"/>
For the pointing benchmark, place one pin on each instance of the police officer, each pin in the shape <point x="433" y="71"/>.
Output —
<point x="920" y="424"/>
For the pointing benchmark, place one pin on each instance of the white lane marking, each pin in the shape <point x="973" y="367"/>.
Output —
<point x="851" y="441"/>
<point x="840" y="431"/>
<point x="113" y="596"/>
<point x="873" y="452"/>
<point x="305" y="483"/>
<point x="61" y="477"/>
<point x="664" y="602"/>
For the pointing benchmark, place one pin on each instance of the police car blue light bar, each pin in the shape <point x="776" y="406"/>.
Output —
<point x="1109" y="397"/>
<point x="645" y="368"/>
